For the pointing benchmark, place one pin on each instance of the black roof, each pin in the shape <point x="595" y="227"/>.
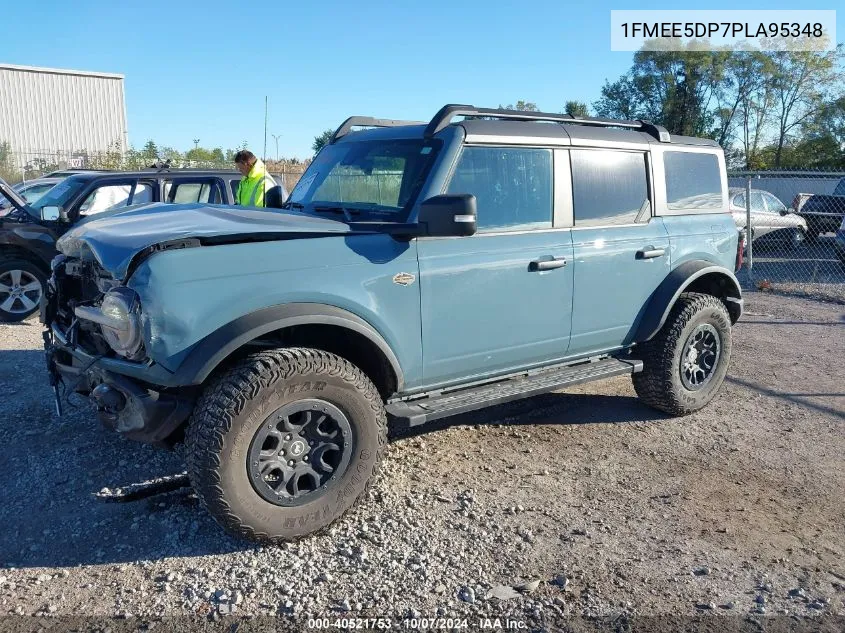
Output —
<point x="162" y="173"/>
<point x="499" y="122"/>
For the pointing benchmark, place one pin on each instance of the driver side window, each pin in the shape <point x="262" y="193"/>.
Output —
<point x="512" y="186"/>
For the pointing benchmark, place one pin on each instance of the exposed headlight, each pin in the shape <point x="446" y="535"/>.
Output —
<point x="121" y="327"/>
<point x="118" y="318"/>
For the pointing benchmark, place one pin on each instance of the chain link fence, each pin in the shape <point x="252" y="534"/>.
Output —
<point x="796" y="240"/>
<point x="21" y="166"/>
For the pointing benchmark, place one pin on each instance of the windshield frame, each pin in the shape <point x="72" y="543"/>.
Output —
<point x="305" y="202"/>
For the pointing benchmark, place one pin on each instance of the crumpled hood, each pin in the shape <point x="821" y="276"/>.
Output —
<point x="114" y="239"/>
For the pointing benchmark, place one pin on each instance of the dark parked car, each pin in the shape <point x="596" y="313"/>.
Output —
<point x="823" y="212"/>
<point x="28" y="235"/>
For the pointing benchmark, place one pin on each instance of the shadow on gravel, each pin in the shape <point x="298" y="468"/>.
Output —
<point x="828" y="323"/>
<point x="550" y="408"/>
<point x="796" y="398"/>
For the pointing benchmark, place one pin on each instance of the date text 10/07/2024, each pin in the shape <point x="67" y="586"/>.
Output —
<point x="721" y="29"/>
<point x="417" y="624"/>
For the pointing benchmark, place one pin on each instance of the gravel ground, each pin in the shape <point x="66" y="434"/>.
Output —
<point x="582" y="503"/>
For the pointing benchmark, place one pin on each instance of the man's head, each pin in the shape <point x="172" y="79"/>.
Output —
<point x="244" y="160"/>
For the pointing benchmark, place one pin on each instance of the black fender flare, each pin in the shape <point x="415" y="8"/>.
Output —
<point x="679" y="280"/>
<point x="217" y="346"/>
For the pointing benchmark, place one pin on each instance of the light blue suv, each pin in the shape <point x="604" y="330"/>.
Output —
<point x="416" y="271"/>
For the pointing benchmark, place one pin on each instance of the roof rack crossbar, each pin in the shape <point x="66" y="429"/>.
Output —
<point x="367" y="121"/>
<point x="445" y="115"/>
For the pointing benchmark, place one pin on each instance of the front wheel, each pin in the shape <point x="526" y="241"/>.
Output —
<point x="797" y="238"/>
<point x="285" y="442"/>
<point x="685" y="363"/>
<point x="21" y="285"/>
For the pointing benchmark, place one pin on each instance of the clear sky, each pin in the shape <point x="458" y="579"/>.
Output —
<point x="202" y="69"/>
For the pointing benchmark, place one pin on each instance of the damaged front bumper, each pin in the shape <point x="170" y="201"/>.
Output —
<point x="118" y="388"/>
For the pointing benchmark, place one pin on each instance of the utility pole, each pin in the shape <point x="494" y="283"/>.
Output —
<point x="276" y="138"/>
<point x="266" y="100"/>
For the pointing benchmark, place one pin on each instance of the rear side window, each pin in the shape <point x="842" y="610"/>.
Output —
<point x="512" y="186"/>
<point x="693" y="180"/>
<point x="609" y="187"/>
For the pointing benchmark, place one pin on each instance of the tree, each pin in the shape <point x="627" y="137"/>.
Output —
<point x="8" y="171"/>
<point x="150" y="150"/>
<point x="671" y="88"/>
<point x="576" y="109"/>
<point x="200" y="154"/>
<point x="801" y="80"/>
<point x="322" y="140"/>
<point x="525" y="106"/>
<point x="217" y="155"/>
<point x="762" y="107"/>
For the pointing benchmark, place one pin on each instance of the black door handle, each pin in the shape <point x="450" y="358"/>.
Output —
<point x="649" y="252"/>
<point x="547" y="264"/>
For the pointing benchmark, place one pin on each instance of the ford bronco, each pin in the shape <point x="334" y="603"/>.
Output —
<point x="416" y="271"/>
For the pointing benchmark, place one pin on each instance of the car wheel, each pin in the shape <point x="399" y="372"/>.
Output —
<point x="22" y="284"/>
<point x="285" y="442"/>
<point x="685" y="363"/>
<point x="797" y="238"/>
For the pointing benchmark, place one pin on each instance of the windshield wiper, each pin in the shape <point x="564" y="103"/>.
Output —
<point x="346" y="211"/>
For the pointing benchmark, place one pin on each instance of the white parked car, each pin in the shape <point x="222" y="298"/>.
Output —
<point x="769" y="217"/>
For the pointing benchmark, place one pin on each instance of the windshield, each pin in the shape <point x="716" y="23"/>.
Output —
<point x="59" y="195"/>
<point x="373" y="177"/>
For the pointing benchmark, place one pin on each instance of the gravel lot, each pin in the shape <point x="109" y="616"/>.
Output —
<point x="573" y="504"/>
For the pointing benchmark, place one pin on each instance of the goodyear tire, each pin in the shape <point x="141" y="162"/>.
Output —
<point x="285" y="442"/>
<point x="685" y="363"/>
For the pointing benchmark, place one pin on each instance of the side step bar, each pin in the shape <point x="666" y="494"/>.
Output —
<point x="425" y="410"/>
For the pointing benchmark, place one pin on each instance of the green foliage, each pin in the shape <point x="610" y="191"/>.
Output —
<point x="8" y="169"/>
<point x="576" y="109"/>
<point x="150" y="151"/>
<point x="765" y="108"/>
<point x="321" y="140"/>
<point x="525" y="106"/>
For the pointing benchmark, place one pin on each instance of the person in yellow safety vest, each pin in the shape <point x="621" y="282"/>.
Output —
<point x="256" y="181"/>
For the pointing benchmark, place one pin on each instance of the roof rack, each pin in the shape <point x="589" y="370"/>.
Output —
<point x="445" y="115"/>
<point x="367" y="121"/>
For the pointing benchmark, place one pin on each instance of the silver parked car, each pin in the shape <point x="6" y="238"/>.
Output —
<point x="769" y="217"/>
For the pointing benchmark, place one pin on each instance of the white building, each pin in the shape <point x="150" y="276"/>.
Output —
<point x="47" y="111"/>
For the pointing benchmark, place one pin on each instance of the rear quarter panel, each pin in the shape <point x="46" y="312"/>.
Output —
<point x="709" y="237"/>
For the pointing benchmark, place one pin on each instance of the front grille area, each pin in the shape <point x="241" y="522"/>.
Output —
<point x="75" y="283"/>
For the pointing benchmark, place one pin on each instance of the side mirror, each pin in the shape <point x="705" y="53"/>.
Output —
<point x="51" y="214"/>
<point x="449" y="215"/>
<point x="784" y="211"/>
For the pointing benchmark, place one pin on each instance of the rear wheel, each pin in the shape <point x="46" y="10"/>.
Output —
<point x="22" y="284"/>
<point x="285" y="442"/>
<point x="796" y="239"/>
<point x="685" y="363"/>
